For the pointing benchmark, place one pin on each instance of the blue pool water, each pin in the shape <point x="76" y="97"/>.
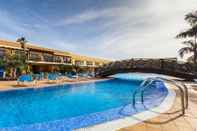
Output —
<point x="74" y="105"/>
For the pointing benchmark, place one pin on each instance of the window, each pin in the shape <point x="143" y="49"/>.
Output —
<point x="20" y="53"/>
<point x="89" y="63"/>
<point x="2" y="53"/>
<point x="67" y="59"/>
<point x="58" y="59"/>
<point x="97" y="64"/>
<point x="79" y="63"/>
<point x="48" y="57"/>
<point x="35" y="56"/>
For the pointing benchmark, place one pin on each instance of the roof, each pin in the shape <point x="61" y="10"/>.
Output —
<point x="16" y="45"/>
<point x="29" y="46"/>
<point x="9" y="44"/>
<point x="87" y="58"/>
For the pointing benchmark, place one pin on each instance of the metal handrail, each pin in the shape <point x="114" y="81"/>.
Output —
<point x="184" y="93"/>
<point x="141" y="89"/>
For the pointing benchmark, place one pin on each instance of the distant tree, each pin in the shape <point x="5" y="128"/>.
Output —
<point x="191" y="45"/>
<point x="2" y="63"/>
<point x="65" y="68"/>
<point x="15" y="62"/>
<point x="23" y="54"/>
<point x="22" y="41"/>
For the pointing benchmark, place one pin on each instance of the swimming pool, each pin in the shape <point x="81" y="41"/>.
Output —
<point x="71" y="106"/>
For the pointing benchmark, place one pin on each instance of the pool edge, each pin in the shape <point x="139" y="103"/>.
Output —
<point x="137" y="118"/>
<point x="51" y="85"/>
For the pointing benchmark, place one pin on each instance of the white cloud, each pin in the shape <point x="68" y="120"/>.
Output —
<point x="148" y="30"/>
<point x="91" y="15"/>
<point x="144" y="32"/>
<point x="8" y="21"/>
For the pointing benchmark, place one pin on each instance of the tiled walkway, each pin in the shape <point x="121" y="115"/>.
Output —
<point x="171" y="121"/>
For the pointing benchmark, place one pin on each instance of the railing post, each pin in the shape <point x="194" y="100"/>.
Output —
<point x="134" y="99"/>
<point x="186" y="96"/>
<point x="142" y="96"/>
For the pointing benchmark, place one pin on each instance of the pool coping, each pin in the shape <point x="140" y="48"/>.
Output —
<point x="51" y="85"/>
<point x="166" y="104"/>
<point x="109" y="125"/>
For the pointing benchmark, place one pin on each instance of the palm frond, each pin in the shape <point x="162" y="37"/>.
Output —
<point x="185" y="50"/>
<point x="188" y="33"/>
<point x="189" y="43"/>
<point x="21" y="40"/>
<point x="190" y="59"/>
<point x="191" y="18"/>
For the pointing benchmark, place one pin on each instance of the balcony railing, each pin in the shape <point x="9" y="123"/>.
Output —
<point x="38" y="56"/>
<point x="79" y="63"/>
<point x="46" y="57"/>
<point x="2" y="53"/>
<point x="67" y="60"/>
<point x="57" y="59"/>
<point x="35" y="57"/>
<point x="89" y="63"/>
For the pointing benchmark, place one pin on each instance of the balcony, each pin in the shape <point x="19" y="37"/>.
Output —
<point x="98" y="64"/>
<point x="57" y="59"/>
<point x="48" y="57"/>
<point x="34" y="56"/>
<point x="67" y="60"/>
<point x="79" y="63"/>
<point x="89" y="63"/>
<point x="2" y="53"/>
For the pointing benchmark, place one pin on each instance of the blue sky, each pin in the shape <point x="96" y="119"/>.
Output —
<point x="115" y="29"/>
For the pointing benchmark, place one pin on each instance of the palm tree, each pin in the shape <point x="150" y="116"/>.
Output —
<point x="23" y="55"/>
<point x="22" y="41"/>
<point x="2" y="63"/>
<point x="191" y="45"/>
<point x="14" y="62"/>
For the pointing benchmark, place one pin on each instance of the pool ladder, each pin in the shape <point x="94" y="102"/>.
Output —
<point x="147" y="82"/>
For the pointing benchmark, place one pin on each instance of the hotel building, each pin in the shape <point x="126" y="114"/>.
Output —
<point x="42" y="59"/>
